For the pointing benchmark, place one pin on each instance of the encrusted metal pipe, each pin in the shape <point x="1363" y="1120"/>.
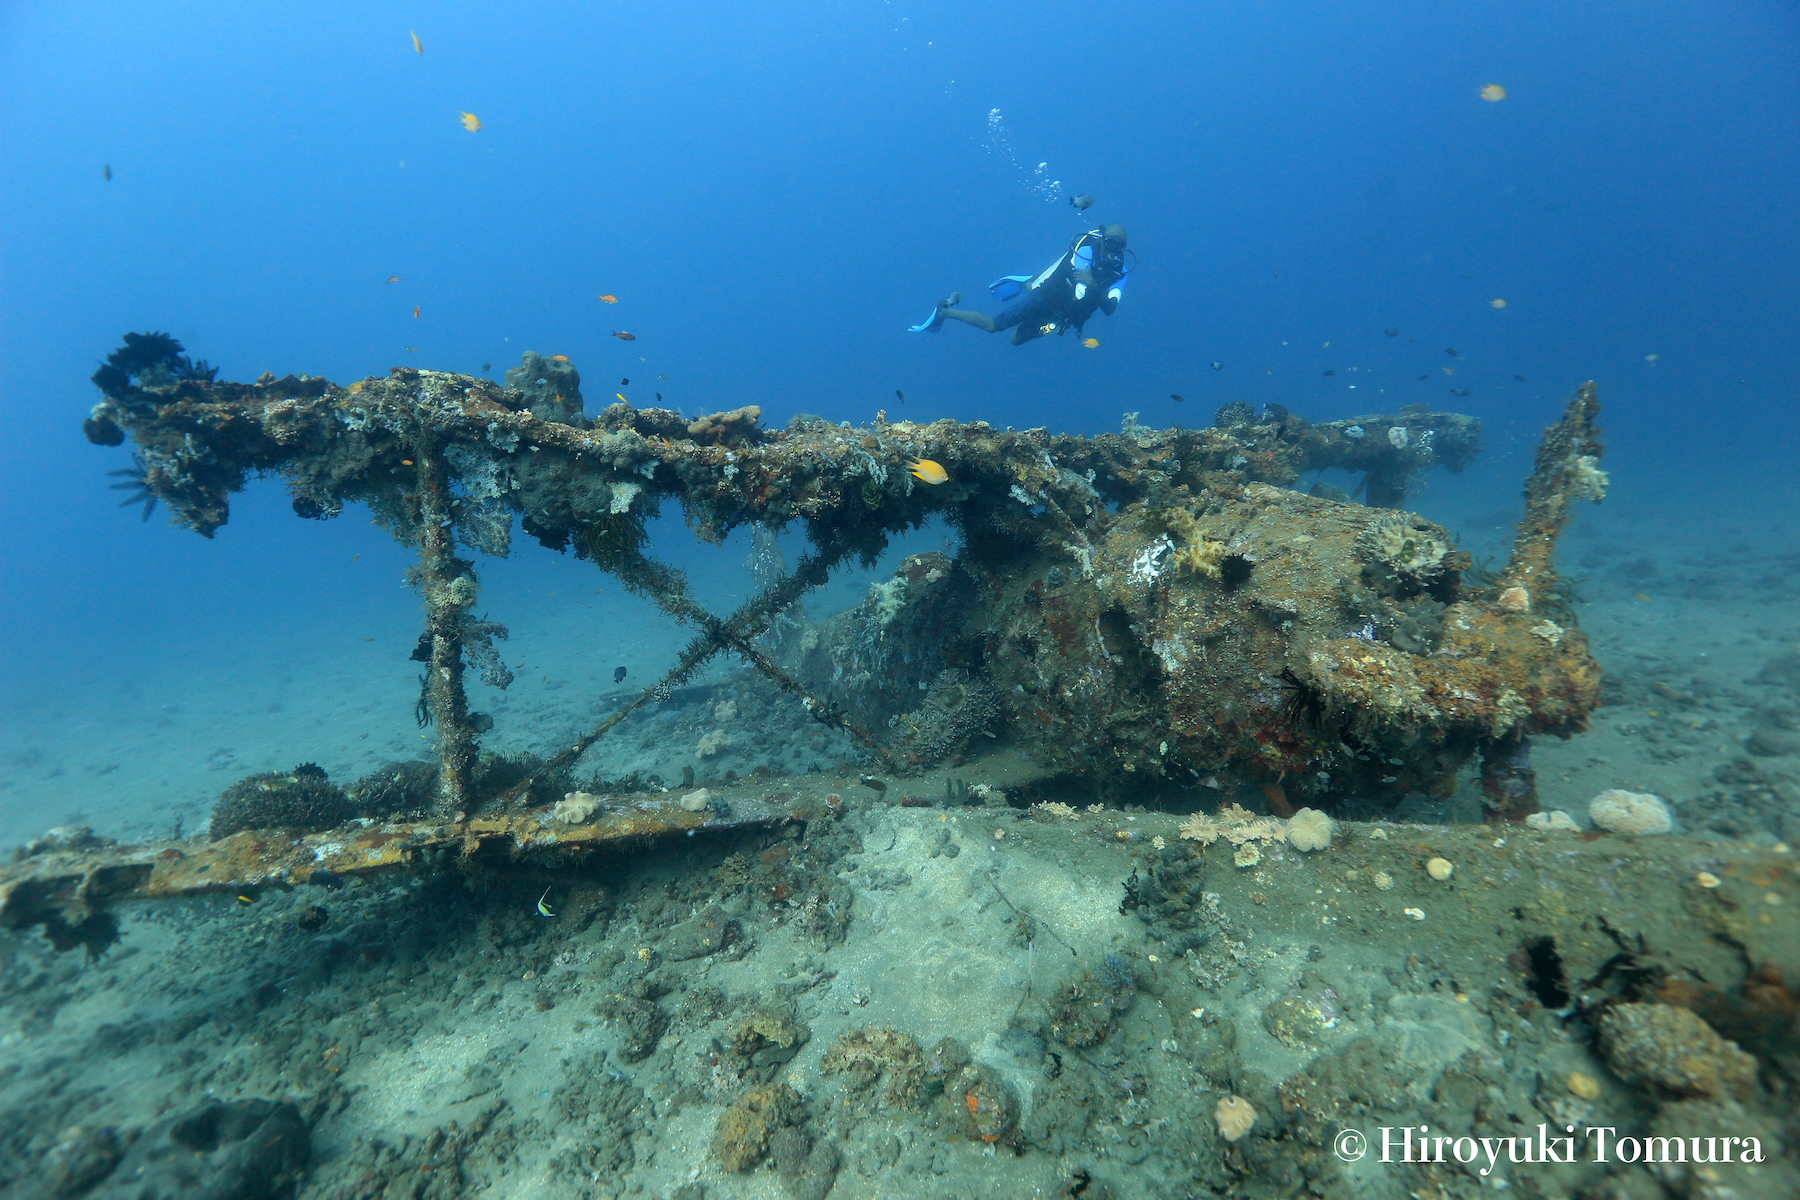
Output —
<point x="447" y="585"/>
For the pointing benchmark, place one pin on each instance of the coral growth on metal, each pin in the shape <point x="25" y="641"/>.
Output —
<point x="1151" y="605"/>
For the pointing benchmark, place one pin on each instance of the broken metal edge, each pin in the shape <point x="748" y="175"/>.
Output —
<point x="66" y="886"/>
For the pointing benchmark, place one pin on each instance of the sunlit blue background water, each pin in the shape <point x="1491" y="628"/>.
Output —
<point x="775" y="191"/>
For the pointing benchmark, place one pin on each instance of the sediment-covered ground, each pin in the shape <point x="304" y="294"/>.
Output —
<point x="973" y="1000"/>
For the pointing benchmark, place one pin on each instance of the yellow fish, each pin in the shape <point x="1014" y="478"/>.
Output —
<point x="621" y="396"/>
<point x="1090" y="343"/>
<point x="543" y="910"/>
<point x="471" y="122"/>
<point x="609" y="298"/>
<point x="1497" y="303"/>
<point x="418" y="48"/>
<point x="1493" y="92"/>
<point x="928" y="471"/>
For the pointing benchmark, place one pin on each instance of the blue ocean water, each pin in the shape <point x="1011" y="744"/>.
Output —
<point x="774" y="192"/>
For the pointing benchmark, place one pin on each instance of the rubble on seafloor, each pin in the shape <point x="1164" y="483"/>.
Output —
<point x="1085" y="996"/>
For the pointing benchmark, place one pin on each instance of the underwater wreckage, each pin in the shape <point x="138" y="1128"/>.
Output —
<point x="1149" y="607"/>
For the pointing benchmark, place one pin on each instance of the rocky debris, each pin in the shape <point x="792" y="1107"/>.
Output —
<point x="1618" y="811"/>
<point x="222" y="1150"/>
<point x="1672" y="1052"/>
<point x="869" y="1054"/>
<point x="704" y="933"/>
<point x="742" y="1136"/>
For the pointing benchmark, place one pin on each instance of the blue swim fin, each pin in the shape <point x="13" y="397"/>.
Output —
<point x="1008" y="286"/>
<point x="930" y="324"/>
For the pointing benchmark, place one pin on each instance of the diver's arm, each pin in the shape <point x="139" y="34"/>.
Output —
<point x="1109" y="303"/>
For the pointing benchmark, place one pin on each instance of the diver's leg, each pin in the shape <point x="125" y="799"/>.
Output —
<point x="1024" y="333"/>
<point x="968" y="317"/>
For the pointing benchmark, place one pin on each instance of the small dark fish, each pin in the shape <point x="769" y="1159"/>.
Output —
<point x="1331" y="372"/>
<point x="1450" y="350"/>
<point x="869" y="781"/>
<point x="487" y="366"/>
<point x="1520" y="378"/>
<point x="1459" y="391"/>
<point x="1082" y="201"/>
<point x="1391" y="332"/>
<point x="1176" y="399"/>
<point x="618" y="674"/>
<point x="106" y="172"/>
<point x="659" y="397"/>
<point x="900" y="395"/>
<point x="1422" y="378"/>
<point x="624" y="383"/>
<point x="624" y="335"/>
<point x="1218" y="366"/>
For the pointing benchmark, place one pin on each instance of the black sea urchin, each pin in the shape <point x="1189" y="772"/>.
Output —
<point x="137" y="476"/>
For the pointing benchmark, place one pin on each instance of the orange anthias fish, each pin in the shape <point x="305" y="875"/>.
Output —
<point x="415" y="312"/>
<point x="559" y="358"/>
<point x="471" y="122"/>
<point x="928" y="471"/>
<point x="623" y="336"/>
<point x="393" y="279"/>
<point x="609" y="298"/>
<point x="418" y="47"/>
<point x="1493" y="92"/>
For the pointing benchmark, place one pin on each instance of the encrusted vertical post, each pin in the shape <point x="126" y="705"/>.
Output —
<point x="448" y="588"/>
<point x="1508" y="783"/>
<point x="1567" y="469"/>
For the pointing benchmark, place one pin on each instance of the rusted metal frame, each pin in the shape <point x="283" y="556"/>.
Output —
<point x="736" y="633"/>
<point x="739" y="631"/>
<point x="439" y="572"/>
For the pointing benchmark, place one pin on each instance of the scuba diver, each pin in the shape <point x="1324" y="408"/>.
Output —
<point x="1090" y="276"/>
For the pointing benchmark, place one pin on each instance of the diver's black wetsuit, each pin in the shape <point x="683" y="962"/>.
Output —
<point x="1089" y="277"/>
